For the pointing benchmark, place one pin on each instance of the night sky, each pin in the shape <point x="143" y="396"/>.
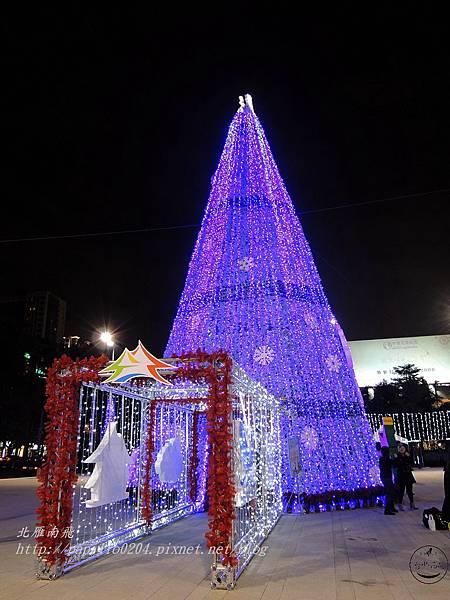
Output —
<point x="114" y="123"/>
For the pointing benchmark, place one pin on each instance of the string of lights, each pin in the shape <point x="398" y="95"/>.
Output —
<point x="415" y="427"/>
<point x="253" y="289"/>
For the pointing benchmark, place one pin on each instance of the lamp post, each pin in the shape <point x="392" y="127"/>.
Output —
<point x="107" y="338"/>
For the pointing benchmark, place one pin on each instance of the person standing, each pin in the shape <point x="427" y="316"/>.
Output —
<point x="386" y="478"/>
<point x="404" y="476"/>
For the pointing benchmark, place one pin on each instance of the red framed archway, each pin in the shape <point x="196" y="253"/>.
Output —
<point x="58" y="475"/>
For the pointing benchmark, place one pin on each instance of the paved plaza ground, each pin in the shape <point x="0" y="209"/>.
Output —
<point x="350" y="555"/>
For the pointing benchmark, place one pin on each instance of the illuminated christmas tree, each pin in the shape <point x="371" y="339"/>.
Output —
<point x="252" y="288"/>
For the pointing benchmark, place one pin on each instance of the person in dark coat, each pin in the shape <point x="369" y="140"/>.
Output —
<point x="446" y="505"/>
<point x="386" y="463"/>
<point x="404" y="478"/>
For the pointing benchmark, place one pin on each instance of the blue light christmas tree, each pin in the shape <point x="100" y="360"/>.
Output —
<point x="253" y="289"/>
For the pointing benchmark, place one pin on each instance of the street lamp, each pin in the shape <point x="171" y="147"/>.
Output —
<point x="107" y="338"/>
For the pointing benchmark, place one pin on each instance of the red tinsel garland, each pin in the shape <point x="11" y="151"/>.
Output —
<point x="58" y="477"/>
<point x="215" y="369"/>
<point x="146" y="492"/>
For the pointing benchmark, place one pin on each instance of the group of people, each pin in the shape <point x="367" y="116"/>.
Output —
<point x="397" y="476"/>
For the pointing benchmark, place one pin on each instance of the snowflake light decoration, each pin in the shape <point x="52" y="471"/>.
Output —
<point x="333" y="363"/>
<point x="246" y="264"/>
<point x="264" y="355"/>
<point x="309" y="438"/>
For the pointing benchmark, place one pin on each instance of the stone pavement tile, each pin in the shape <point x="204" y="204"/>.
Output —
<point x="366" y="573"/>
<point x="367" y="576"/>
<point x="20" y="590"/>
<point x="311" y="588"/>
<point x="176" y="584"/>
<point x="260" y="572"/>
<point x="342" y="572"/>
<point x="253" y="592"/>
<point x="395" y="580"/>
<point x="274" y="590"/>
<point x="204" y="592"/>
<point x="437" y="591"/>
<point x="395" y="568"/>
<point x="68" y="588"/>
<point x="311" y="573"/>
<point x="345" y="590"/>
<point x="141" y="580"/>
